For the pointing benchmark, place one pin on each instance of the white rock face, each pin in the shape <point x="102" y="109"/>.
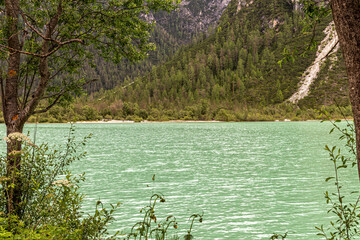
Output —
<point x="211" y="11"/>
<point x="328" y="46"/>
<point x="192" y="17"/>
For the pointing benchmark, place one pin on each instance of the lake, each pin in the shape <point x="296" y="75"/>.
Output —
<point x="249" y="179"/>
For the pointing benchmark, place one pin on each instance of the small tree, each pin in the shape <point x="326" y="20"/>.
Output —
<point x="44" y="43"/>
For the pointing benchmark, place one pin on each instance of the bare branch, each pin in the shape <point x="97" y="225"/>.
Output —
<point x="18" y="51"/>
<point x="64" y="90"/>
<point x="42" y="55"/>
<point x="32" y="27"/>
<point x="331" y="51"/>
<point x="48" y="107"/>
<point x="58" y="96"/>
<point x="28" y="92"/>
<point x="62" y="44"/>
<point x="61" y="68"/>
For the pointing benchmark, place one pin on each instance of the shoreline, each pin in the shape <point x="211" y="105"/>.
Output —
<point x="129" y="121"/>
<point x="181" y="121"/>
<point x="193" y="121"/>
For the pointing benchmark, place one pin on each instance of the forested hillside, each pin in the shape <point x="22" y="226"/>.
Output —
<point x="171" y="31"/>
<point x="231" y="73"/>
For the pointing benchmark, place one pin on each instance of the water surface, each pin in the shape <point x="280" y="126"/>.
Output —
<point x="249" y="179"/>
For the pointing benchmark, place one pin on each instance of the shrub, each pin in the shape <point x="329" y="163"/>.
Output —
<point x="49" y="207"/>
<point x="346" y="212"/>
<point x="152" y="226"/>
<point x="223" y="115"/>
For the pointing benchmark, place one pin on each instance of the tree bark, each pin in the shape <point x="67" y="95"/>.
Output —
<point x="14" y="116"/>
<point x="11" y="106"/>
<point x="346" y="15"/>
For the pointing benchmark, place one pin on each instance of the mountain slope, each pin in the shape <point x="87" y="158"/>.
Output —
<point x="170" y="32"/>
<point x="240" y="58"/>
<point x="230" y="73"/>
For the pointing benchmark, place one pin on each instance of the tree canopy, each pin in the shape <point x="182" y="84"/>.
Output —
<point x="44" y="43"/>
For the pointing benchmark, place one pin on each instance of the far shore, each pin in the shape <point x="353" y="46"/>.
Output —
<point x="185" y="121"/>
<point x="128" y="121"/>
<point x="195" y="121"/>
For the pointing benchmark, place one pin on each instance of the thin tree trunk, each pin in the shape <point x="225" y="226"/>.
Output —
<point x="346" y="15"/>
<point x="11" y="107"/>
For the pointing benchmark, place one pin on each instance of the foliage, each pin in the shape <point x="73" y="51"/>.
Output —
<point x="150" y="226"/>
<point x="172" y="30"/>
<point x="44" y="44"/>
<point x="144" y="228"/>
<point x="347" y="212"/>
<point x="314" y="12"/>
<point x="202" y="111"/>
<point x="188" y="236"/>
<point x="278" y="236"/>
<point x="50" y="207"/>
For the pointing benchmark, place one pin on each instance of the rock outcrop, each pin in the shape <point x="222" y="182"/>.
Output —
<point x="328" y="46"/>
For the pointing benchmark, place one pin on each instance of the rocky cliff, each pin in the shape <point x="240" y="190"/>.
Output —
<point x="193" y="16"/>
<point x="172" y="30"/>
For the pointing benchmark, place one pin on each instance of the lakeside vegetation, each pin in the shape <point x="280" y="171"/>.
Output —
<point x="202" y="111"/>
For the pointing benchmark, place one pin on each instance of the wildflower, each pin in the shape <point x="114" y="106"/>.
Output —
<point x="18" y="137"/>
<point x="62" y="182"/>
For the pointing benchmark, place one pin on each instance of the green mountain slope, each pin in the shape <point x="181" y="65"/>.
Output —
<point x="170" y="32"/>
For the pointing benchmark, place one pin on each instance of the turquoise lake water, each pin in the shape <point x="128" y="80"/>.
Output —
<point x="249" y="179"/>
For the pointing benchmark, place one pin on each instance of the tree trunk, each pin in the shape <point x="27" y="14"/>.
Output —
<point x="11" y="106"/>
<point x="346" y="15"/>
<point x="15" y="117"/>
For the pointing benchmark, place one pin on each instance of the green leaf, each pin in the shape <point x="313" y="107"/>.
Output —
<point x="329" y="178"/>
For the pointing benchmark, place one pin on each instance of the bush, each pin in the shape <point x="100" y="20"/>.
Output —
<point x="137" y="119"/>
<point x="346" y="211"/>
<point x="49" y="207"/>
<point x="150" y="225"/>
<point x="223" y="115"/>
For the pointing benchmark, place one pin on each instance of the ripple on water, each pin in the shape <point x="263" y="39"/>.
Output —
<point x="249" y="179"/>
